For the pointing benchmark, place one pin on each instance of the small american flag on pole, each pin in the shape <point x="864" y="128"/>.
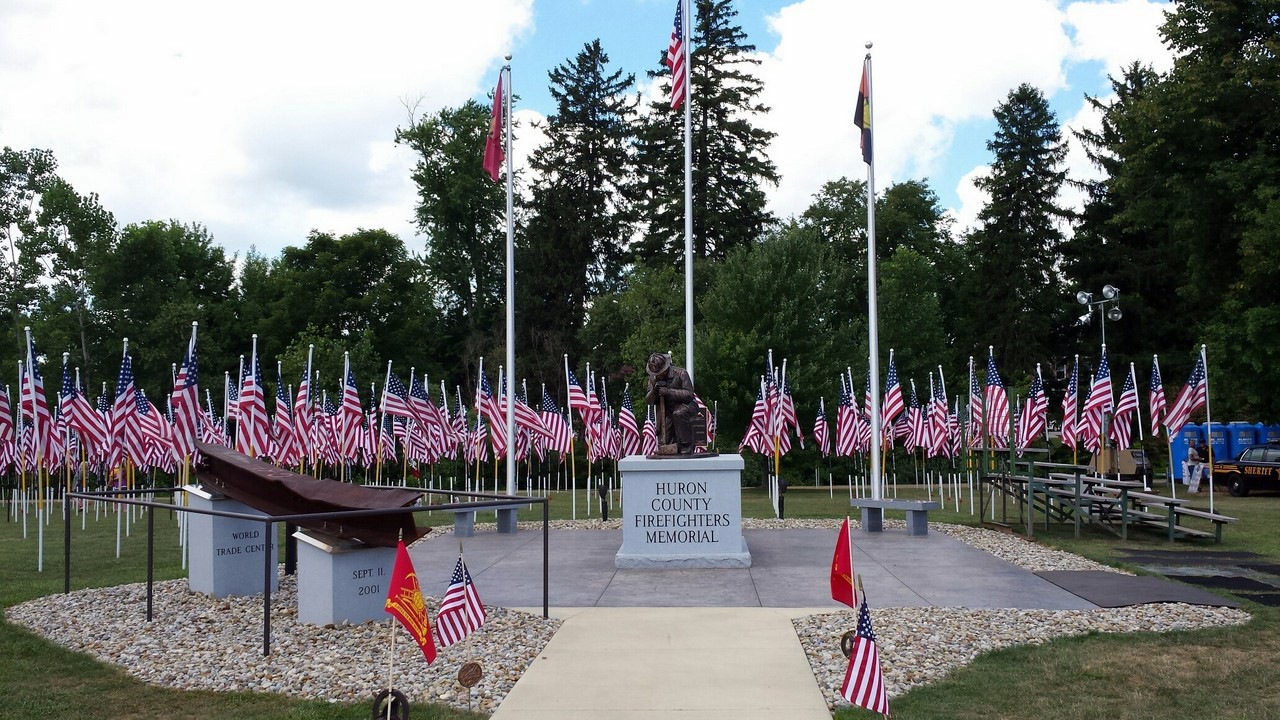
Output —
<point x="864" y="681"/>
<point x="461" y="611"/>
<point x="1121" y="424"/>
<point x="996" y="406"/>
<point x="1070" y="430"/>
<point x="1158" y="402"/>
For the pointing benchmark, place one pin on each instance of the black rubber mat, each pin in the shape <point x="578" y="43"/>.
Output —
<point x="1269" y="599"/>
<point x="1227" y="582"/>
<point x="1268" y="568"/>
<point x="1107" y="589"/>
<point x="1182" y="557"/>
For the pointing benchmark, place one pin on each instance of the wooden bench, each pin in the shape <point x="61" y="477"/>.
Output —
<point x="917" y="513"/>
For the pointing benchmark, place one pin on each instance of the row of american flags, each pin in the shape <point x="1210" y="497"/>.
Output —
<point x="983" y="418"/>
<point x="307" y="426"/>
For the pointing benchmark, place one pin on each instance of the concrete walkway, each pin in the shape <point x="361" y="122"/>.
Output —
<point x="708" y="644"/>
<point x="690" y="663"/>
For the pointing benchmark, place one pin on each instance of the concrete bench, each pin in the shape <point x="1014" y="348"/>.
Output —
<point x="464" y="521"/>
<point x="917" y="513"/>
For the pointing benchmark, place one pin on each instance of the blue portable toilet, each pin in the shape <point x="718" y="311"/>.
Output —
<point x="1190" y="434"/>
<point x="1219" y="441"/>
<point x="1273" y="434"/>
<point x="1240" y="435"/>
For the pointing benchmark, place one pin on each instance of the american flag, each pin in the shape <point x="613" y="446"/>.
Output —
<point x="284" y="441"/>
<point x="1031" y="422"/>
<point x="526" y="418"/>
<point x="822" y="430"/>
<point x="350" y="415"/>
<point x="893" y="404"/>
<point x="1098" y="402"/>
<point x="154" y="426"/>
<point x="253" y="434"/>
<point x="939" y="431"/>
<point x="1070" y="430"/>
<point x="846" y="422"/>
<point x="974" y="428"/>
<point x="488" y="407"/>
<point x="756" y="437"/>
<point x="1158" y="403"/>
<point x="649" y="445"/>
<point x="631" y="441"/>
<point x="677" y="58"/>
<point x="125" y="436"/>
<point x="395" y="396"/>
<point x="34" y="403"/>
<point x="1191" y="398"/>
<point x="6" y="418"/>
<point x="186" y="402"/>
<point x="561" y="437"/>
<point x="789" y="415"/>
<point x="303" y="419"/>
<point x="761" y="412"/>
<point x="577" y="397"/>
<point x="594" y="409"/>
<point x="864" y="681"/>
<point x="426" y="414"/>
<point x="996" y="406"/>
<point x="917" y="432"/>
<point x="79" y="413"/>
<point x="1121" y="424"/>
<point x="461" y="611"/>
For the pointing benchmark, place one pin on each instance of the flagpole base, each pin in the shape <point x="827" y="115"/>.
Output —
<point x="399" y="709"/>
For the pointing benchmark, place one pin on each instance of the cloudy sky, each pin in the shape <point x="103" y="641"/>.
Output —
<point x="265" y="120"/>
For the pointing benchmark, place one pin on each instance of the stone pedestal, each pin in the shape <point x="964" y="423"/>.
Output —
<point x="341" y="580"/>
<point x="682" y="513"/>
<point x="226" y="554"/>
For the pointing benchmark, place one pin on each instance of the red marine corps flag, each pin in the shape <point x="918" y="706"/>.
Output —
<point x="842" y="569"/>
<point x="406" y="604"/>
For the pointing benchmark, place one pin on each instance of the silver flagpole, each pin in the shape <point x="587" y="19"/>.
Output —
<point x="511" y="288"/>
<point x="1208" y="424"/>
<point x="874" y="340"/>
<point x="688" y="191"/>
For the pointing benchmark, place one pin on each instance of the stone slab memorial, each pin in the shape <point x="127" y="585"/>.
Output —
<point x="682" y="512"/>
<point x="341" y="580"/>
<point x="225" y="553"/>
<point x="340" y="554"/>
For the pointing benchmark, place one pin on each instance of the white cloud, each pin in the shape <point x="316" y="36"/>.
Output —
<point x="936" y="66"/>
<point x="972" y="199"/>
<point x="262" y="121"/>
<point x="1117" y="33"/>
<point x="259" y="120"/>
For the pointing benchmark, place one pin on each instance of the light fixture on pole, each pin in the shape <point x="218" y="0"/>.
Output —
<point x="1110" y="295"/>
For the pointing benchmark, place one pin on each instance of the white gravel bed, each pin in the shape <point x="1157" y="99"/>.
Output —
<point x="200" y="642"/>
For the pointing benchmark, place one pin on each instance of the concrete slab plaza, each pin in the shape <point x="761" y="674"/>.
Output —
<point x="706" y="644"/>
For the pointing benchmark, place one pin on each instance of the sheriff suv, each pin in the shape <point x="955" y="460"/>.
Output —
<point x="1256" y="468"/>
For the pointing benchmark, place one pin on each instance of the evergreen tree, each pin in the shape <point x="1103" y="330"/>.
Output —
<point x="730" y="161"/>
<point x="1012" y="295"/>
<point x="463" y="214"/>
<point x="1187" y="211"/>
<point x="579" y="217"/>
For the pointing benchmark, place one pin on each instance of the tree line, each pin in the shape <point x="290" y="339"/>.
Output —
<point x="1184" y="220"/>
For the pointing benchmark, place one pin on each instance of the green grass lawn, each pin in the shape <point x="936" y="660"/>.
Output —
<point x="1221" y="673"/>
